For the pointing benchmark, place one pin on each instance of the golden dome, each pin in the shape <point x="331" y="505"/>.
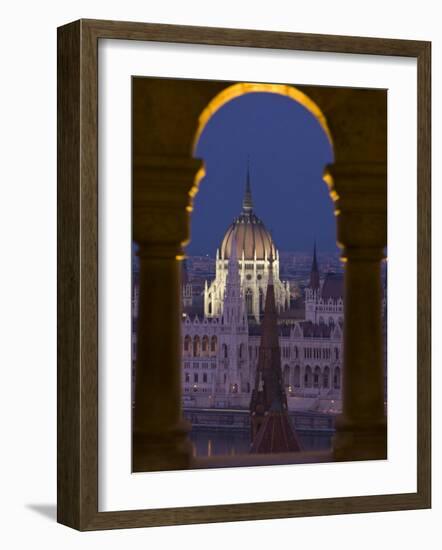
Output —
<point x="250" y="233"/>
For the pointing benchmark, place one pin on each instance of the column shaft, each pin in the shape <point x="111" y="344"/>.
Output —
<point x="163" y="189"/>
<point x="360" y="194"/>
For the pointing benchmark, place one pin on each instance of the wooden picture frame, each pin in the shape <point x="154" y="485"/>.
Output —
<point x="78" y="270"/>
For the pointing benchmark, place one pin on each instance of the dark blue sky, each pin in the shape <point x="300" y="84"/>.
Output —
<point x="288" y="150"/>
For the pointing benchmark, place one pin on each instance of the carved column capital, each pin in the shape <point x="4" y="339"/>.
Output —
<point x="359" y="191"/>
<point x="163" y="191"/>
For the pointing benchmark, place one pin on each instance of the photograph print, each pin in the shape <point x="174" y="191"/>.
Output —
<point x="241" y="297"/>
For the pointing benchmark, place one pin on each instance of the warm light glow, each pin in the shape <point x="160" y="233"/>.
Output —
<point x="242" y="88"/>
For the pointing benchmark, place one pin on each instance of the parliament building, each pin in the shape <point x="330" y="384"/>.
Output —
<point x="221" y="338"/>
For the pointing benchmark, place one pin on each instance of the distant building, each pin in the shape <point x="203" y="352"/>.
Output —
<point x="221" y="340"/>
<point x="254" y="246"/>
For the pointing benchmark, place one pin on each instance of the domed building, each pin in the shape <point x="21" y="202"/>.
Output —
<point x="254" y="249"/>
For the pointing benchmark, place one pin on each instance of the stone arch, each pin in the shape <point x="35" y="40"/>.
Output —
<point x="165" y="180"/>
<point x="242" y="88"/>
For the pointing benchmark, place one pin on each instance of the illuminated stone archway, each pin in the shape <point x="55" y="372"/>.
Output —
<point x="243" y="88"/>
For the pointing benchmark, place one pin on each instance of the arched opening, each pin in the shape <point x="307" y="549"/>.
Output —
<point x="286" y="376"/>
<point x="297" y="377"/>
<point x="242" y="88"/>
<point x="261" y="301"/>
<point x="196" y="346"/>
<point x="213" y="345"/>
<point x="326" y="378"/>
<point x="205" y="345"/>
<point x="187" y="344"/>
<point x="308" y="377"/>
<point x="317" y="377"/>
<point x="225" y="351"/>
<point x="337" y="379"/>
<point x="249" y="301"/>
<point x="241" y="351"/>
<point x="172" y="172"/>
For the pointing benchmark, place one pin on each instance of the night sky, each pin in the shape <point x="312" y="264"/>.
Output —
<point x="287" y="151"/>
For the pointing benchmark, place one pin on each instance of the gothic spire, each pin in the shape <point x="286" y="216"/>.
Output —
<point x="314" y="273"/>
<point x="271" y="427"/>
<point x="247" y="203"/>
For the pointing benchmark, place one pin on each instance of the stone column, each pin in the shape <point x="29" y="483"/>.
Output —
<point x="162" y="191"/>
<point x="360" y="195"/>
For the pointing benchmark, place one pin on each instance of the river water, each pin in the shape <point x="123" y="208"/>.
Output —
<point x="208" y="442"/>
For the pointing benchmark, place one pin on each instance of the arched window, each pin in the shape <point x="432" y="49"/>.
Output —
<point x="225" y="351"/>
<point x="261" y="301"/>
<point x="326" y="378"/>
<point x="336" y="353"/>
<point x="286" y="375"/>
<point x="308" y="377"/>
<point x="241" y="351"/>
<point x="337" y="379"/>
<point x="297" y="376"/>
<point x="205" y="345"/>
<point x="296" y="352"/>
<point x="213" y="344"/>
<point x="249" y="301"/>
<point x="317" y="377"/>
<point x="196" y="346"/>
<point x="209" y="309"/>
<point x="187" y="343"/>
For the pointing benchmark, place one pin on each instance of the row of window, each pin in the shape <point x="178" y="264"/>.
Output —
<point x="196" y="378"/>
<point x="200" y="346"/>
<point x="320" y="353"/>
<point x="313" y="378"/>
<point x="188" y="365"/>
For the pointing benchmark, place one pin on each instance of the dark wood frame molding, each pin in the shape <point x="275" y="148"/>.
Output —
<point x="78" y="274"/>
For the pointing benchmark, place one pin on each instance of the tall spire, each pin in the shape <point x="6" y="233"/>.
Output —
<point x="247" y="203"/>
<point x="314" y="273"/>
<point x="271" y="427"/>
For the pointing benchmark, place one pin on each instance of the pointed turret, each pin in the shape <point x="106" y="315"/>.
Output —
<point x="314" y="272"/>
<point x="247" y="203"/>
<point x="233" y="310"/>
<point x="271" y="427"/>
